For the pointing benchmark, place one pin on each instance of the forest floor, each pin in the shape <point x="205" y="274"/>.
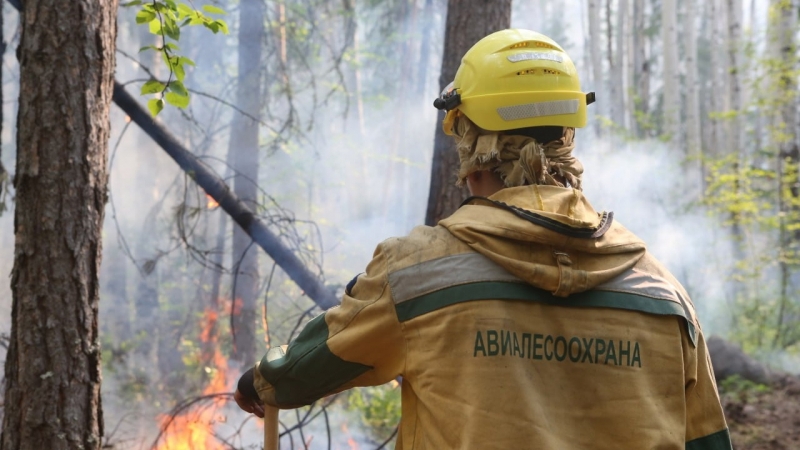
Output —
<point x="762" y="417"/>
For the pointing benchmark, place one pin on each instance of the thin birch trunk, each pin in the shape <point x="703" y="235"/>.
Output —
<point x="641" y="69"/>
<point x="620" y="74"/>
<point x="693" y="144"/>
<point x="734" y="45"/>
<point x="596" y="56"/>
<point x="671" y="90"/>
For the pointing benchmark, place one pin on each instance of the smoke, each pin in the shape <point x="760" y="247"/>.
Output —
<point x="343" y="187"/>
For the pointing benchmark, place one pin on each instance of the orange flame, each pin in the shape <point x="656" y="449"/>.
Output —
<point x="211" y="203"/>
<point x="350" y="441"/>
<point x="194" y="429"/>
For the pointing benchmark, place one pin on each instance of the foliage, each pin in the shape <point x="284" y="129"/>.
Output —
<point x="756" y="194"/>
<point x="737" y="389"/>
<point x="378" y="408"/>
<point x="165" y="19"/>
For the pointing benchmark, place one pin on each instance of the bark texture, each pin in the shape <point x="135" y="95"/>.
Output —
<point x="243" y="157"/>
<point x="468" y="21"/>
<point x="52" y="373"/>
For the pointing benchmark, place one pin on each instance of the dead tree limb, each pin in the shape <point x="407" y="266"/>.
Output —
<point x="214" y="186"/>
<point x="228" y="201"/>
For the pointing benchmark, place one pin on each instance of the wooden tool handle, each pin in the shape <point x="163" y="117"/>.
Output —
<point x="271" y="439"/>
<point x="271" y="436"/>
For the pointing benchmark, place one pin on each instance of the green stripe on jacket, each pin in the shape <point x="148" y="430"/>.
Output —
<point x="500" y="290"/>
<point x="720" y="440"/>
<point x="309" y="370"/>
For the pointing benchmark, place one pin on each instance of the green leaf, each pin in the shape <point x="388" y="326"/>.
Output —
<point x="155" y="106"/>
<point x="185" y="9"/>
<point x="197" y="18"/>
<point x="132" y="3"/>
<point x="155" y="26"/>
<point x="152" y="86"/>
<point x="172" y="46"/>
<point x="222" y="26"/>
<point x="180" y="74"/>
<point x="186" y="60"/>
<point x="175" y="99"/>
<point x="213" y="26"/>
<point x="148" y="47"/>
<point x="172" y="29"/>
<point x="171" y="4"/>
<point x="178" y="88"/>
<point x="144" y="16"/>
<point x="213" y="9"/>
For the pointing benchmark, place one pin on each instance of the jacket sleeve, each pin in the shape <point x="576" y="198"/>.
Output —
<point x="359" y="343"/>
<point x="705" y="421"/>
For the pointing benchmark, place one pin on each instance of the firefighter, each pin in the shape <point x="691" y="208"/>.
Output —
<point x="526" y="319"/>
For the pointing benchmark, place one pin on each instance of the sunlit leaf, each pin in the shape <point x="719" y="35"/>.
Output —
<point x="155" y="106"/>
<point x="132" y="3"/>
<point x="178" y="88"/>
<point x="152" y="86"/>
<point x="145" y="16"/>
<point x="155" y="26"/>
<point x="175" y="99"/>
<point x="185" y="10"/>
<point x="213" y="9"/>
<point x="222" y="26"/>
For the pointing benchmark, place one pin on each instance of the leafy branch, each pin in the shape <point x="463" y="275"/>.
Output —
<point x="165" y="19"/>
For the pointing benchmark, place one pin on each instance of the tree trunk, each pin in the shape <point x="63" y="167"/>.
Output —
<point x="782" y="34"/>
<point x="3" y="173"/>
<point x="52" y="377"/>
<point x="692" y="92"/>
<point x="641" y="67"/>
<point x="424" y="51"/>
<point x="243" y="157"/>
<point x="620" y="79"/>
<point x="671" y="90"/>
<point x="597" y="62"/>
<point x="468" y="21"/>
<point x="734" y="44"/>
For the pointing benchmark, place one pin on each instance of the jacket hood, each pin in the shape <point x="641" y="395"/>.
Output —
<point x="548" y="236"/>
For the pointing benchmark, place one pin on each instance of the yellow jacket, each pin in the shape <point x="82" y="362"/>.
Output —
<point x="526" y="320"/>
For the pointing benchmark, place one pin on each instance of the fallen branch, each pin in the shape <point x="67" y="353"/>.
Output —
<point x="221" y="193"/>
<point x="228" y="201"/>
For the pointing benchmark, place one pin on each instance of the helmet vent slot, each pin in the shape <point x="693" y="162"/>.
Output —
<point x="533" y="44"/>
<point x="539" y="71"/>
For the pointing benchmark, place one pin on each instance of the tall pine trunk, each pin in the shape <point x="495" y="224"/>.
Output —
<point x="52" y="376"/>
<point x="243" y="156"/>
<point x="468" y="21"/>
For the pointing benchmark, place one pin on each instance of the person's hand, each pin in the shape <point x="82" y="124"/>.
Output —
<point x="248" y="404"/>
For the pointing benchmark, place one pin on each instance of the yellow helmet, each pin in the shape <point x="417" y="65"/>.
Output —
<point x="515" y="79"/>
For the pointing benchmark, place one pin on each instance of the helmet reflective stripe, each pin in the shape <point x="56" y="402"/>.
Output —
<point x="536" y="56"/>
<point x="539" y="109"/>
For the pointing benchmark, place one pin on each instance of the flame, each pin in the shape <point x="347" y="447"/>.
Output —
<point x="350" y="441"/>
<point x="211" y="203"/>
<point x="194" y="429"/>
